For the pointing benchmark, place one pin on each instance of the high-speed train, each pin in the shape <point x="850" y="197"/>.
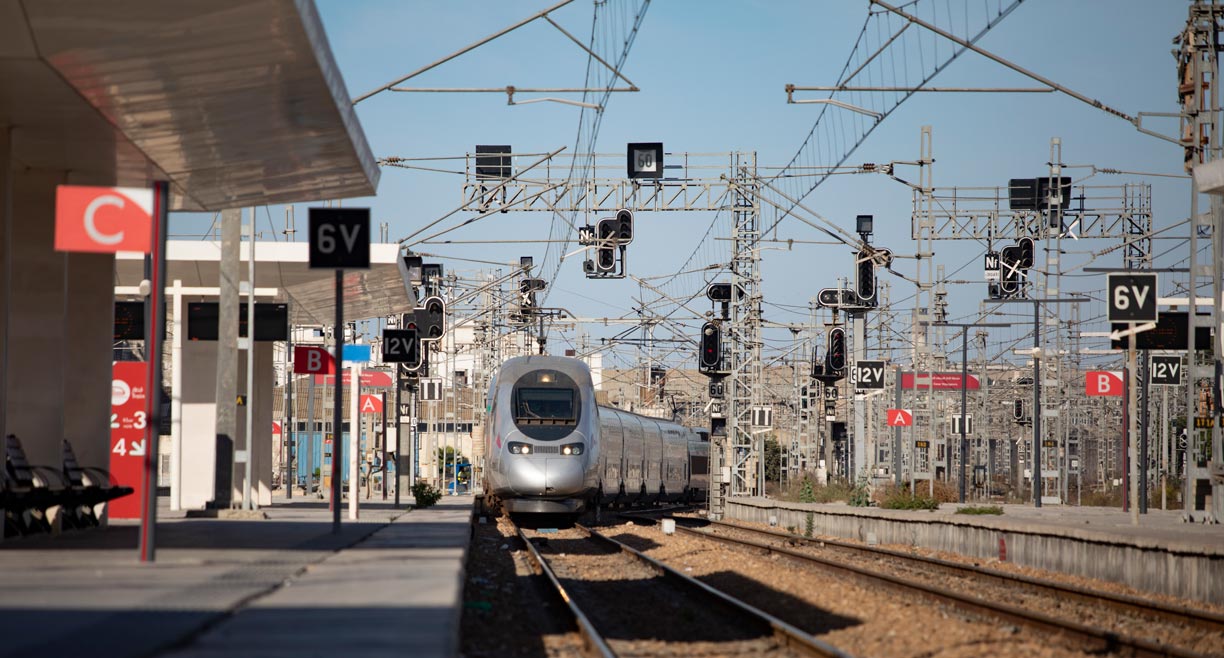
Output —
<point x="550" y="449"/>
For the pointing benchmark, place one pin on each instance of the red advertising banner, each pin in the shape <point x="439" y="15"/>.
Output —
<point x="939" y="381"/>
<point x="103" y="219"/>
<point x="127" y="442"/>
<point x="368" y="378"/>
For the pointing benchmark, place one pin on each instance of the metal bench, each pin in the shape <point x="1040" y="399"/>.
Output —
<point x="89" y="486"/>
<point x="30" y="492"/>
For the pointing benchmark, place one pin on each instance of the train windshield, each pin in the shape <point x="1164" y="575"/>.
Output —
<point x="546" y="405"/>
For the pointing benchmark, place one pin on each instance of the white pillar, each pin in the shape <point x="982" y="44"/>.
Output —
<point x="354" y="442"/>
<point x="176" y="397"/>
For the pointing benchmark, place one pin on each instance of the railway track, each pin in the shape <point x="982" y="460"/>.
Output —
<point x="1183" y="632"/>
<point x="628" y="604"/>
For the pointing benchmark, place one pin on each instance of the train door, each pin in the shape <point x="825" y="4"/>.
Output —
<point x="635" y="454"/>
<point x="611" y="454"/>
<point x="675" y="462"/>
<point x="654" y="458"/>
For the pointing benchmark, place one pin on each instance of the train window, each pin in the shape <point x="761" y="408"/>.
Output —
<point x="544" y="405"/>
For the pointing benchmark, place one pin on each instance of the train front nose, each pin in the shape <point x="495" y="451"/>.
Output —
<point x="550" y="475"/>
<point x="563" y="475"/>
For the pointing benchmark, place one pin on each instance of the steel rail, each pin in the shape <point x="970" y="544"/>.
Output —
<point x="595" y="642"/>
<point x="1204" y="619"/>
<point x="788" y="635"/>
<point x="1097" y="639"/>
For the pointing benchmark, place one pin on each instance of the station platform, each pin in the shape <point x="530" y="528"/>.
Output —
<point x="1162" y="554"/>
<point x="390" y="583"/>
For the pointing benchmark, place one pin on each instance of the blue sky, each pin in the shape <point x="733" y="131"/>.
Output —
<point x="712" y="74"/>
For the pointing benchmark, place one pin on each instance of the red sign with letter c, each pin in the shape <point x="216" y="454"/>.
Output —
<point x="103" y="219"/>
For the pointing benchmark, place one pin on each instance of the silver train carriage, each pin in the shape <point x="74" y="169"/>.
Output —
<point x="551" y="449"/>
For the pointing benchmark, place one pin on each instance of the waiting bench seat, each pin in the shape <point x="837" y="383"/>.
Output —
<point x="30" y="493"/>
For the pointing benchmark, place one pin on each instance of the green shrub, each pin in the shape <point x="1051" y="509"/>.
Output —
<point x="806" y="494"/>
<point x="860" y="496"/>
<point x="425" y="494"/>
<point x="980" y="509"/>
<point x="893" y="497"/>
<point x="808" y="524"/>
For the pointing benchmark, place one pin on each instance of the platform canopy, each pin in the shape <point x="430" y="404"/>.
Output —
<point x="376" y="292"/>
<point x="236" y="102"/>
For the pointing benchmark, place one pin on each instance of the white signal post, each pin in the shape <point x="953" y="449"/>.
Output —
<point x="354" y="440"/>
<point x="1132" y="299"/>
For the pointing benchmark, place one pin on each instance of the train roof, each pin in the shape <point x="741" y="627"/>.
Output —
<point x="515" y="367"/>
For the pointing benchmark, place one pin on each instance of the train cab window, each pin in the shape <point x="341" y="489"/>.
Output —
<point x="547" y="405"/>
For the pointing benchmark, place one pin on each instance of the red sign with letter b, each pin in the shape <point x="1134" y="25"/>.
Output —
<point x="313" y="360"/>
<point x="1104" y="383"/>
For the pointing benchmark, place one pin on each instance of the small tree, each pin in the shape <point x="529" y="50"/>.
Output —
<point x="773" y="460"/>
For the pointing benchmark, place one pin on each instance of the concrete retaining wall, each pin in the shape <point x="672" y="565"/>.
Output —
<point x="1191" y="572"/>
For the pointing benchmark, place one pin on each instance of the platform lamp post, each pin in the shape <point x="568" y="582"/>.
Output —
<point x="1037" y="475"/>
<point x="964" y="423"/>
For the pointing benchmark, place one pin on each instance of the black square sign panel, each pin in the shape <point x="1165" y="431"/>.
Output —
<point x="340" y="238"/>
<point x="1132" y="297"/>
<point x="645" y="160"/>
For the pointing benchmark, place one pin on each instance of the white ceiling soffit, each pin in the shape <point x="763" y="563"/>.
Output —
<point x="285" y="266"/>
<point x="238" y="102"/>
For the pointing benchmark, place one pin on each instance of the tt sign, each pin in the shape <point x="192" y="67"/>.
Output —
<point x="1104" y="383"/>
<point x="103" y="219"/>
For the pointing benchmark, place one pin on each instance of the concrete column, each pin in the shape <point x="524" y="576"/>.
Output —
<point x="35" y="335"/>
<point x="6" y="256"/>
<point x="88" y="332"/>
<point x="176" y="395"/>
<point x="199" y="416"/>
<point x="227" y="357"/>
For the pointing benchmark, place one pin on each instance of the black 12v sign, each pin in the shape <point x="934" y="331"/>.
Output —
<point x="340" y="238"/>
<point x="868" y="375"/>
<point x="1132" y="297"/>
<point x="1165" y="370"/>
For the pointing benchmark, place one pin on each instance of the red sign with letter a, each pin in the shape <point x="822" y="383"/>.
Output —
<point x="900" y="418"/>
<point x="1104" y="382"/>
<point x="103" y="219"/>
<point x="127" y="444"/>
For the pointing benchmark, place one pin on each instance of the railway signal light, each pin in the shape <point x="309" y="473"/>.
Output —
<point x="1012" y="274"/>
<point x="624" y="227"/>
<point x="835" y="358"/>
<point x="431" y="318"/>
<point x="865" y="281"/>
<point x="411" y="366"/>
<point x="1018" y="410"/>
<point x="710" y="356"/>
<point x="605" y="259"/>
<point x="1026" y="252"/>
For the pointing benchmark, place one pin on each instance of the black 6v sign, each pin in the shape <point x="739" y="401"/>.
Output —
<point x="340" y="238"/>
<point x="1132" y="297"/>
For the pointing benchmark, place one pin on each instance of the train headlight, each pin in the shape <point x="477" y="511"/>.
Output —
<point x="519" y="448"/>
<point x="572" y="449"/>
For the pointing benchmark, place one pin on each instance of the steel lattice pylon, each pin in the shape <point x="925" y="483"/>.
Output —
<point x="744" y="391"/>
<point x="710" y="182"/>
